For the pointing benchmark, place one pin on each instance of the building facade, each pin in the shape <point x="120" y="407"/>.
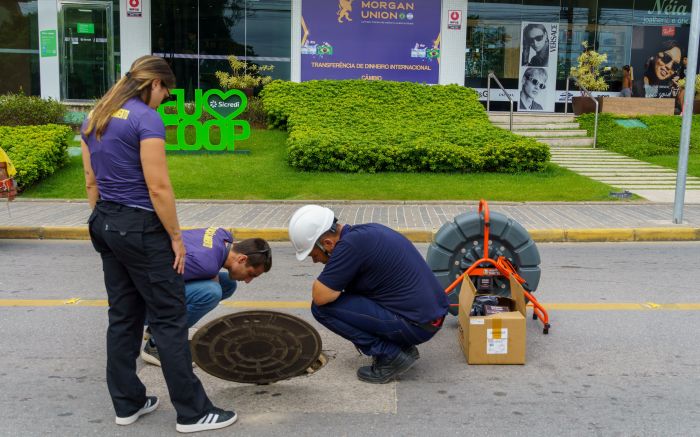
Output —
<point x="74" y="50"/>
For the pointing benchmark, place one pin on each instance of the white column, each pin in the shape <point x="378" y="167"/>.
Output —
<point x="49" y="75"/>
<point x="134" y="34"/>
<point x="453" y="43"/>
<point x="295" y="73"/>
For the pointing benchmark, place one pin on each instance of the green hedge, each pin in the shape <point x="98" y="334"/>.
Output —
<point x="21" y="110"/>
<point x="661" y="136"/>
<point x="368" y="126"/>
<point x="35" y="151"/>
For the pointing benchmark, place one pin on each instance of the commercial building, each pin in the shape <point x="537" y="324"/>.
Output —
<point x="74" y="50"/>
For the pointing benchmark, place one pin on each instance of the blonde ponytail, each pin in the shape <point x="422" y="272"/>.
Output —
<point x="136" y="82"/>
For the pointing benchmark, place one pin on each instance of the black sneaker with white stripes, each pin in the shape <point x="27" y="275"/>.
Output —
<point x="214" y="419"/>
<point x="150" y="405"/>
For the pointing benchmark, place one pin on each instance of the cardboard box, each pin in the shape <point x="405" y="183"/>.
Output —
<point x="494" y="339"/>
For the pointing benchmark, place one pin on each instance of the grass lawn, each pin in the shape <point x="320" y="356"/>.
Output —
<point x="264" y="174"/>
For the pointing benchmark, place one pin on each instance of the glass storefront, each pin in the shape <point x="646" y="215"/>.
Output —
<point x="608" y="26"/>
<point x="19" y="47"/>
<point x="86" y="49"/>
<point x="196" y="37"/>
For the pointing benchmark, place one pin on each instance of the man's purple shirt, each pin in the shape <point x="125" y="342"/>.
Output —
<point x="206" y="252"/>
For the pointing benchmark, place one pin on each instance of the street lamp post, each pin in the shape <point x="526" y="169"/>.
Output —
<point x="687" y="112"/>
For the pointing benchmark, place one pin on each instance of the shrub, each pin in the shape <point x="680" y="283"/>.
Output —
<point x="36" y="151"/>
<point x="367" y="126"/>
<point x="587" y="72"/>
<point x="21" y="110"/>
<point x="681" y="83"/>
<point x="661" y="136"/>
<point x="243" y="75"/>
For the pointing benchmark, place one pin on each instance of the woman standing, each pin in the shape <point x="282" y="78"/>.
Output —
<point x="135" y="229"/>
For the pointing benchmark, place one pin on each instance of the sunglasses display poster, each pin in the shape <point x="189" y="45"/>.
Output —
<point x="539" y="47"/>
<point x="659" y="59"/>
<point x="372" y="40"/>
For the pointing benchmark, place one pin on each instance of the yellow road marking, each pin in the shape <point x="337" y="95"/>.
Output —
<point x="300" y="304"/>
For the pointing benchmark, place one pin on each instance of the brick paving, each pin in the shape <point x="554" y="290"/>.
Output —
<point x="405" y="215"/>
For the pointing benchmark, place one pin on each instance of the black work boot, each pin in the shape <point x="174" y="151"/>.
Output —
<point x="384" y="370"/>
<point x="412" y="350"/>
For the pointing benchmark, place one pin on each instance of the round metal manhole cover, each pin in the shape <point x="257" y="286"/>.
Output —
<point x="257" y="347"/>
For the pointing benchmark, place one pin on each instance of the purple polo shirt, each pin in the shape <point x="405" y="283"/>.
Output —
<point x="206" y="252"/>
<point x="116" y="158"/>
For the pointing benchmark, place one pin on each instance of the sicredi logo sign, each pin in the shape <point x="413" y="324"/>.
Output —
<point x="224" y="106"/>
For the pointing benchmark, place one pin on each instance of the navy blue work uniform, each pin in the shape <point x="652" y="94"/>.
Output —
<point x="137" y="260"/>
<point x="390" y="299"/>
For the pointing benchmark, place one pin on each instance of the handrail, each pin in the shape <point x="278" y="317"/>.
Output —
<point x="586" y="94"/>
<point x="488" y="96"/>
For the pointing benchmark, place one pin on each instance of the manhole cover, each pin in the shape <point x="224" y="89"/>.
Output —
<point x="257" y="347"/>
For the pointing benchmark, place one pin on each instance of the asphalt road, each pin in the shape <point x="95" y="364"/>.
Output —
<point x="605" y="369"/>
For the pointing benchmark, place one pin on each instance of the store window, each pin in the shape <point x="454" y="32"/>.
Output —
<point x="196" y="37"/>
<point x="639" y="33"/>
<point x="577" y="26"/>
<point x="493" y="42"/>
<point x="614" y="38"/>
<point x="19" y="47"/>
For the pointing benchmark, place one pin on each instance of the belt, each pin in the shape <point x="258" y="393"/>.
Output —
<point x="432" y="326"/>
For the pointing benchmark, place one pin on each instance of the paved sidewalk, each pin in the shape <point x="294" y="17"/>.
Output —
<point x="612" y="220"/>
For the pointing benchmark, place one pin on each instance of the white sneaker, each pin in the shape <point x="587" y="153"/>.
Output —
<point x="151" y="404"/>
<point x="214" y="419"/>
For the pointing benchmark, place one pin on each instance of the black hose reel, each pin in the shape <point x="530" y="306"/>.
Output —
<point x="458" y="244"/>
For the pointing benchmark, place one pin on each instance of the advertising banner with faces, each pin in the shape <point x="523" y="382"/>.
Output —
<point x="539" y="47"/>
<point x="659" y="60"/>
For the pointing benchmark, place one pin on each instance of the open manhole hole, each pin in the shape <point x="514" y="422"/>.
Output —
<point x="257" y="347"/>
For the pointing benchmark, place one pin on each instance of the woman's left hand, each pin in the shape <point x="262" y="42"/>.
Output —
<point x="179" y="250"/>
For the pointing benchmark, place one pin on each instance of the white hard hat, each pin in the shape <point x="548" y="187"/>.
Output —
<point x="307" y="224"/>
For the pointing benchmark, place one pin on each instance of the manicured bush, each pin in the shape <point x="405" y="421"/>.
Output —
<point x="367" y="126"/>
<point x="661" y="136"/>
<point x="21" y="110"/>
<point x="36" y="151"/>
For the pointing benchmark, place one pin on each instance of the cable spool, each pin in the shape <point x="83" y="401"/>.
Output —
<point x="460" y="243"/>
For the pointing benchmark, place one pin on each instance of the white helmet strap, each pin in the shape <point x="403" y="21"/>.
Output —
<point x="334" y="228"/>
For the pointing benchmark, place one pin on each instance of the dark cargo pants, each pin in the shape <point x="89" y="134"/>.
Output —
<point x="137" y="260"/>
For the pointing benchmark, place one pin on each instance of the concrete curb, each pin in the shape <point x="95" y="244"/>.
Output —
<point x="415" y="235"/>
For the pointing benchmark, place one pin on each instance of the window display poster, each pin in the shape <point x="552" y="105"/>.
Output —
<point x="373" y="40"/>
<point x="659" y="60"/>
<point x="539" y="48"/>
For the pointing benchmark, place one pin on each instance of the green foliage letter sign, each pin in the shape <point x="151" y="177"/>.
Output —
<point x="223" y="106"/>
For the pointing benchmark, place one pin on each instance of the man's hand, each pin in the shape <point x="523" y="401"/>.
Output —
<point x="322" y="295"/>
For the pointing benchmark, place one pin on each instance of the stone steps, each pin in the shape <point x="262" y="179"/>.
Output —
<point x="628" y="173"/>
<point x="537" y="126"/>
<point x="553" y="133"/>
<point x="567" y="142"/>
<point x="572" y="149"/>
<point x="531" y="118"/>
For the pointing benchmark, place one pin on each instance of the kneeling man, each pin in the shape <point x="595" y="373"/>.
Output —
<point x="208" y="251"/>
<point x="376" y="290"/>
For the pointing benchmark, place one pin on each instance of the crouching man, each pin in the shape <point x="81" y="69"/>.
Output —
<point x="209" y="251"/>
<point x="376" y="290"/>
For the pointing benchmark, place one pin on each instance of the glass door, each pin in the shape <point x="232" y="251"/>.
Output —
<point x="87" y="49"/>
